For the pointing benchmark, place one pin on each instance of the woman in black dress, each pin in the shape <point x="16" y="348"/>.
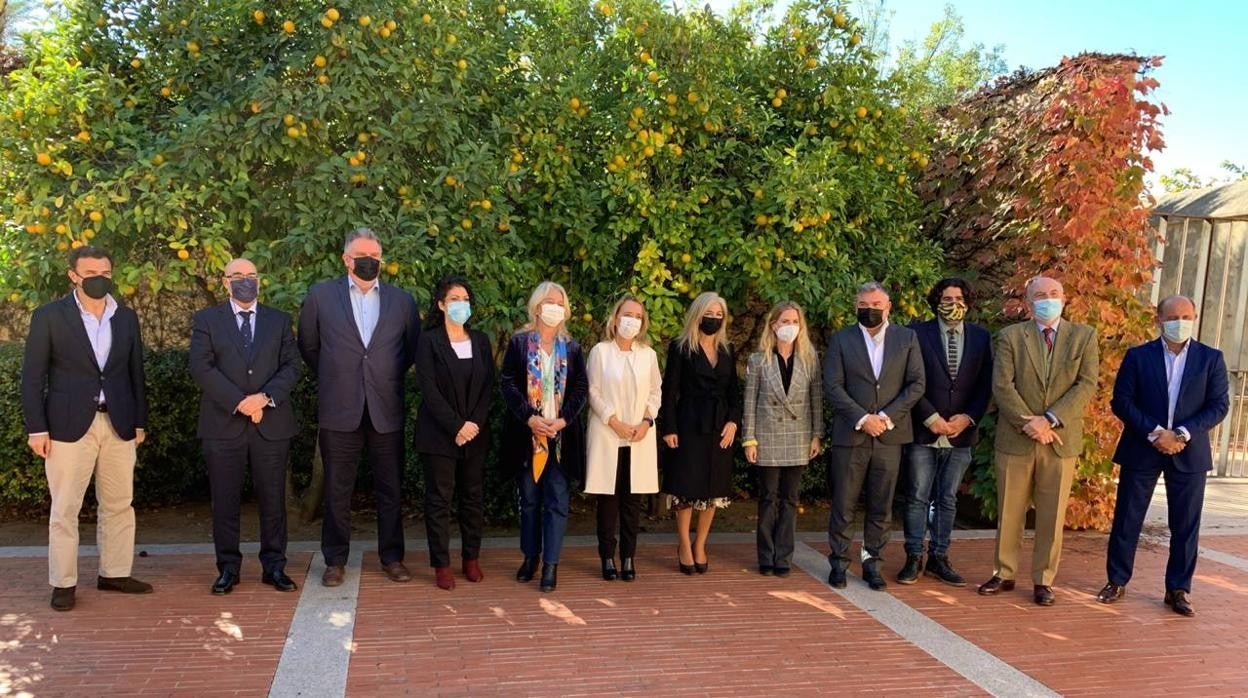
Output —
<point x="455" y="370"/>
<point x="698" y="419"/>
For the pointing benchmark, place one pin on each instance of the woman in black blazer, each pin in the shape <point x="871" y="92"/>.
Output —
<point x="545" y="387"/>
<point x="455" y="370"/>
<point x="698" y="419"/>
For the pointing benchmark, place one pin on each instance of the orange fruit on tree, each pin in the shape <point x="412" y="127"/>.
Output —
<point x="183" y="254"/>
<point x="43" y="159"/>
<point x="288" y="27"/>
<point x="333" y="14"/>
<point x="258" y="16"/>
<point x="365" y="20"/>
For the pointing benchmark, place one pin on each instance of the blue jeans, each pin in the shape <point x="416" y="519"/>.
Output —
<point x="543" y="513"/>
<point x="932" y="498"/>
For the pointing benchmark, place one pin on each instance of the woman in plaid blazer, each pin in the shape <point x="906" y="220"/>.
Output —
<point x="782" y="424"/>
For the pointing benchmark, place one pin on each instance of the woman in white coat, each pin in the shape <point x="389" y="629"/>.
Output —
<point x="625" y="388"/>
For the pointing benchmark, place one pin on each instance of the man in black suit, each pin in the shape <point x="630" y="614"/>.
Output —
<point x="243" y="357"/>
<point x="85" y="408"/>
<point x="359" y="336"/>
<point x="957" y="363"/>
<point x="872" y="377"/>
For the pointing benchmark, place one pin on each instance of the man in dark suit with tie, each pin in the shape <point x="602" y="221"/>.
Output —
<point x="243" y="357"/>
<point x="872" y="377"/>
<point x="85" y="408"/>
<point x="1169" y="394"/>
<point x="957" y="362"/>
<point x="359" y="336"/>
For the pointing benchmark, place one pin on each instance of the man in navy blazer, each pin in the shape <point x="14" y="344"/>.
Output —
<point x="85" y="407"/>
<point x="1169" y="394"/>
<point x="957" y="360"/>
<point x="243" y="357"/>
<point x="359" y="336"/>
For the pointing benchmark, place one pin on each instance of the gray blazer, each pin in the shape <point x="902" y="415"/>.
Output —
<point x="783" y="423"/>
<point x="349" y="374"/>
<point x="853" y="391"/>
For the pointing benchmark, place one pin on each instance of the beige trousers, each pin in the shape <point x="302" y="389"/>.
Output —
<point x="1042" y="478"/>
<point x="69" y="467"/>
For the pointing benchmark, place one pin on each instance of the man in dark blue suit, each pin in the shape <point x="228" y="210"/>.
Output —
<point x="359" y="336"/>
<point x="957" y="360"/>
<point x="243" y="357"/>
<point x="1169" y="393"/>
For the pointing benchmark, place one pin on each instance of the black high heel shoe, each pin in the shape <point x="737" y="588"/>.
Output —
<point x="684" y="569"/>
<point x="701" y="567"/>
<point x="627" y="572"/>
<point x="608" y="569"/>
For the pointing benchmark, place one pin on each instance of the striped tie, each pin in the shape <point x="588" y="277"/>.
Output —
<point x="951" y="353"/>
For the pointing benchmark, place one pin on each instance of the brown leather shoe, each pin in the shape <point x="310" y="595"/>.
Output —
<point x="397" y="572"/>
<point x="125" y="585"/>
<point x="1043" y="595"/>
<point x="63" y="598"/>
<point x="1177" y="600"/>
<point x="333" y="575"/>
<point x="1111" y="592"/>
<point x="995" y="585"/>
<point x="472" y="571"/>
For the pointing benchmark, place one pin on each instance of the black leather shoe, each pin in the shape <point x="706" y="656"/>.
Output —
<point x="1111" y="592"/>
<point x="125" y="585"/>
<point x="836" y="578"/>
<point x="627" y="572"/>
<point x="938" y="566"/>
<point x="278" y="580"/>
<point x="608" y="569"/>
<point x="528" y="568"/>
<point x="996" y="585"/>
<point x="1043" y="595"/>
<point x="909" y="573"/>
<point x="780" y="571"/>
<point x="765" y="570"/>
<point x="871" y="575"/>
<point x="549" y="577"/>
<point x="1177" y="600"/>
<point x="226" y="581"/>
<point x="63" y="598"/>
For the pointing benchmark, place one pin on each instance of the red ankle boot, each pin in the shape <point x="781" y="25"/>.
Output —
<point x="444" y="578"/>
<point x="472" y="570"/>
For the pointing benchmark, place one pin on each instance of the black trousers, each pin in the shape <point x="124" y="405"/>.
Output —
<point x="778" y="490"/>
<point x="227" y="461"/>
<point x="341" y="452"/>
<point x="876" y="466"/>
<point x="443" y="476"/>
<point x="622" y="508"/>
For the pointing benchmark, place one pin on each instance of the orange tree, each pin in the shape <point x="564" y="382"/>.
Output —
<point x="611" y="146"/>
<point x="1044" y="172"/>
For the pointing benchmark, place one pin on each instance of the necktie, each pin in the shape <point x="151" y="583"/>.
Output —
<point x="1048" y="338"/>
<point x="245" y="328"/>
<point x="951" y="354"/>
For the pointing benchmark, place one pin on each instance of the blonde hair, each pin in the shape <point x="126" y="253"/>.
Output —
<point x="535" y="307"/>
<point x="692" y="334"/>
<point x="641" y="338"/>
<point x="803" y="348"/>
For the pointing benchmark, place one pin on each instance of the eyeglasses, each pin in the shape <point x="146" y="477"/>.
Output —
<point x="236" y="277"/>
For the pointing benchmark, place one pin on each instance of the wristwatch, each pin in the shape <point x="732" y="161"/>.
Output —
<point x="648" y="420"/>
<point x="1181" y="436"/>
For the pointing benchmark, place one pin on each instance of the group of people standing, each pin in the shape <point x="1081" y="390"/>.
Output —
<point x="918" y="393"/>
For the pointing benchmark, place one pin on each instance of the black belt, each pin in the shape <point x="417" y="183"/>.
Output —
<point x="101" y="407"/>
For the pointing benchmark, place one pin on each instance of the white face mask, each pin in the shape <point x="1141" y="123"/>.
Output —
<point x="1178" y="331"/>
<point x="628" y="327"/>
<point x="787" y="333"/>
<point x="552" y="314"/>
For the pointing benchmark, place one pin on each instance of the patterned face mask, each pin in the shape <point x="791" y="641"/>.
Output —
<point x="951" y="311"/>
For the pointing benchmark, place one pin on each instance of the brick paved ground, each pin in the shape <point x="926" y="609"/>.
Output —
<point x="730" y="632"/>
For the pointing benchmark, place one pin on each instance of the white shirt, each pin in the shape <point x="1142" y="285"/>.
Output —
<point x="463" y="350"/>
<point x="875" y="352"/>
<point x="1175" y="363"/>
<point x="99" y="331"/>
<point x="547" y="361"/>
<point x="365" y="307"/>
<point x="238" y="318"/>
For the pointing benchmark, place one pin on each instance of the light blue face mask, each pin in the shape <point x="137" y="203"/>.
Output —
<point x="459" y="311"/>
<point x="1047" y="309"/>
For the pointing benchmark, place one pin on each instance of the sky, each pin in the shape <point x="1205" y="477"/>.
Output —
<point x="1200" y="84"/>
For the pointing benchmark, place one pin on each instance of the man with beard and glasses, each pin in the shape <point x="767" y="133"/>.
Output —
<point x="85" y="408"/>
<point x="243" y="357"/>
<point x="359" y="337"/>
<point x="873" y="377"/>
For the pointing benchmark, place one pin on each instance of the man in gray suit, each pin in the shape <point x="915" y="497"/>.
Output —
<point x="359" y="336"/>
<point x="872" y="376"/>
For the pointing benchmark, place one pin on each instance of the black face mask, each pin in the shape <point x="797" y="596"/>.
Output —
<point x="97" y="286"/>
<point x="710" y="325"/>
<point x="870" y="318"/>
<point x="367" y="268"/>
<point x="244" y="290"/>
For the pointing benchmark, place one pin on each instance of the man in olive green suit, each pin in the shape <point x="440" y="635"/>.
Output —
<point x="1045" y="374"/>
